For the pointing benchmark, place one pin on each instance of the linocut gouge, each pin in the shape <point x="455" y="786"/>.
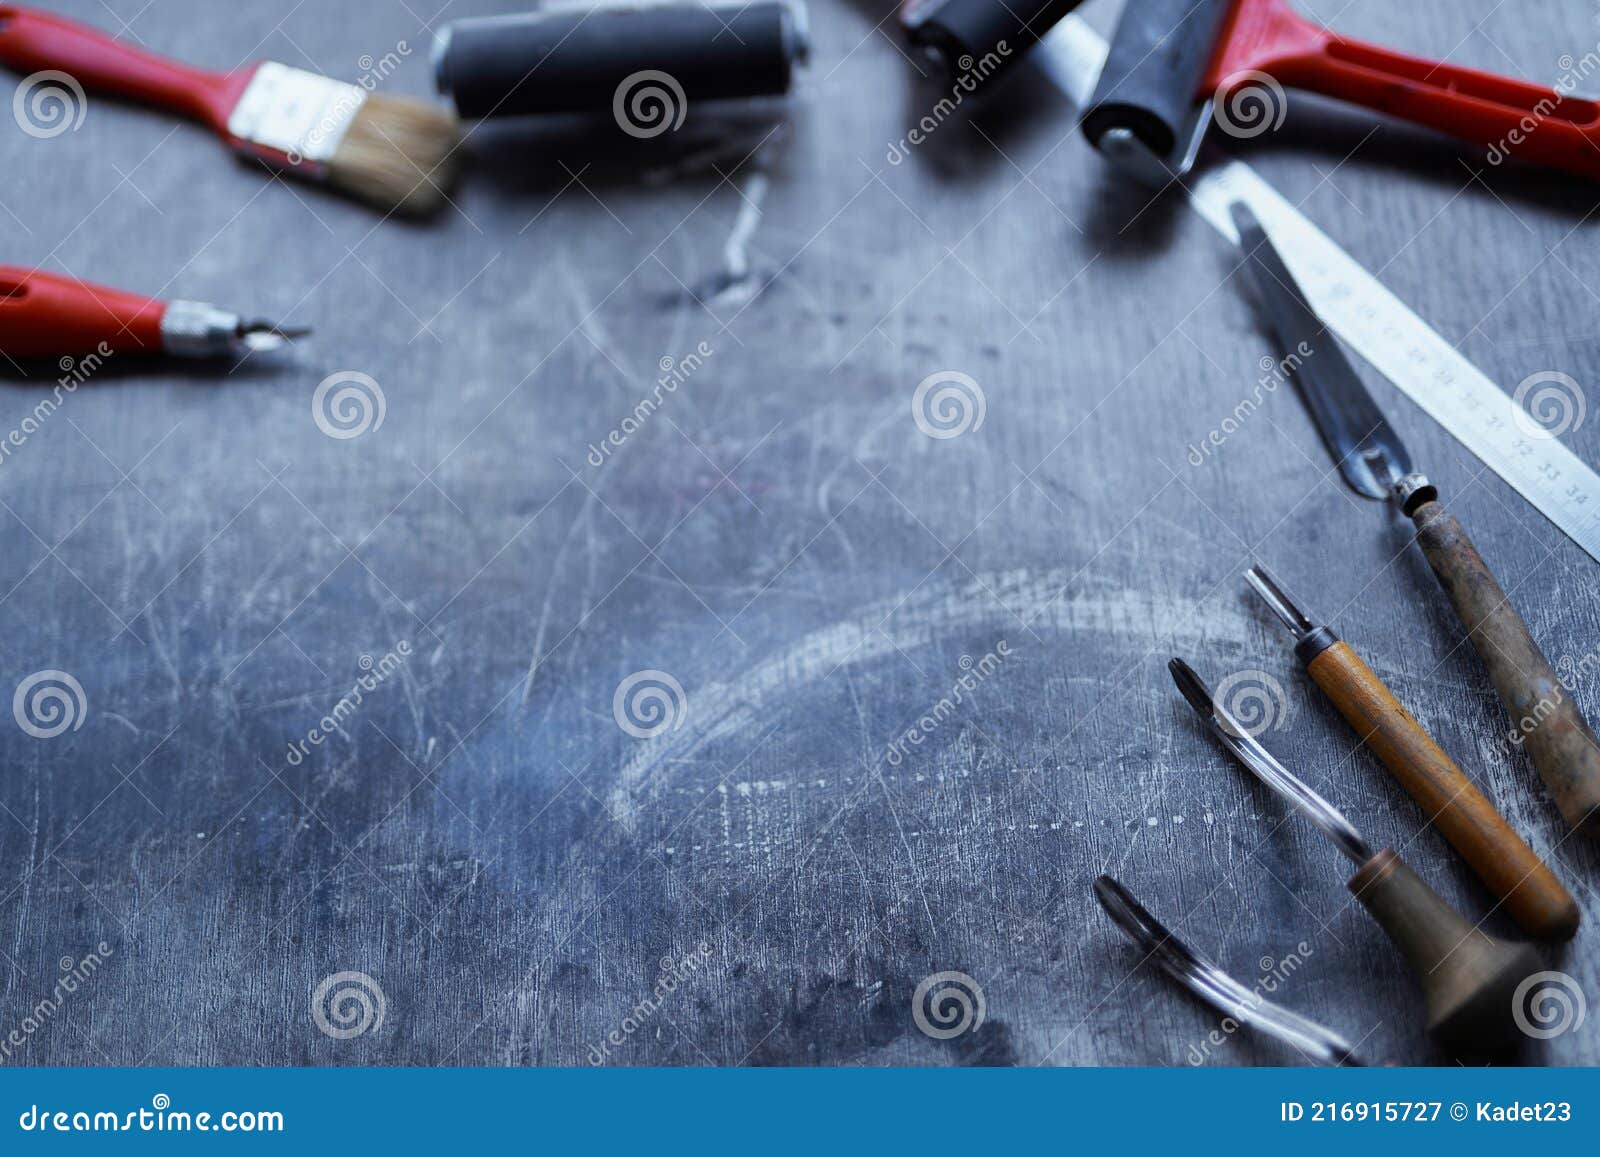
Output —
<point x="1451" y="801"/>
<point x="1170" y="59"/>
<point x="1214" y="986"/>
<point x="44" y="315"/>
<point x="1468" y="977"/>
<point x="1374" y="463"/>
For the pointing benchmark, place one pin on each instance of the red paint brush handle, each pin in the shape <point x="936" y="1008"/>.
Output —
<point x="43" y="315"/>
<point x="33" y="41"/>
<point x="1509" y="117"/>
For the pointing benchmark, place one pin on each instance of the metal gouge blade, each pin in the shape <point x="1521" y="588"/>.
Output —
<point x="1468" y="978"/>
<point x="1260" y="763"/>
<point x="1214" y="986"/>
<point x="1370" y="455"/>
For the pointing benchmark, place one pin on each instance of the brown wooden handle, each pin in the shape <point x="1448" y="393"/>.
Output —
<point x="1468" y="977"/>
<point x="1452" y="802"/>
<point x="1544" y="717"/>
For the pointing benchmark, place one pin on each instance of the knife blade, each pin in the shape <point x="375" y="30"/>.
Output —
<point x="1351" y="425"/>
<point x="1545" y="719"/>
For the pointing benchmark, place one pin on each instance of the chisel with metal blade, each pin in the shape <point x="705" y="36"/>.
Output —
<point x="1452" y="803"/>
<point x="1374" y="463"/>
<point x="1215" y="987"/>
<point x="1468" y="977"/>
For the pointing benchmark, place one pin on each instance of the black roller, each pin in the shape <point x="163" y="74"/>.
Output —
<point x="964" y="34"/>
<point x="1153" y="70"/>
<point x="573" y="59"/>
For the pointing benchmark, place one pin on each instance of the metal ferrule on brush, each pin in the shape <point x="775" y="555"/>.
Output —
<point x="290" y="116"/>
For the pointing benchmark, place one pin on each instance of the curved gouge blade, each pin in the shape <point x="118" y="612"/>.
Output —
<point x="1330" y="821"/>
<point x="1214" y="986"/>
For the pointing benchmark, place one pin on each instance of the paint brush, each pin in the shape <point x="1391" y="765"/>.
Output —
<point x="392" y="152"/>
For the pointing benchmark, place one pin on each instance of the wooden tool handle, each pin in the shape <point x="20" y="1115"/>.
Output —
<point x="1468" y="977"/>
<point x="1544" y="717"/>
<point x="1452" y="802"/>
<point x="32" y="42"/>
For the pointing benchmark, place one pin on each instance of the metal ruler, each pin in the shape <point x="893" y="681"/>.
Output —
<point x="1373" y="322"/>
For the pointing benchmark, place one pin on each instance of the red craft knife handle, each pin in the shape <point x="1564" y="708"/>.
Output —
<point x="1508" y="117"/>
<point x="33" y="41"/>
<point x="43" y="315"/>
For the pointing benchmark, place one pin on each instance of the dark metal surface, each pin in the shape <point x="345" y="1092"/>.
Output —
<point x="860" y="787"/>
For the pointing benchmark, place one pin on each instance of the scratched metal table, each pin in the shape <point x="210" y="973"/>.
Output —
<point x="564" y="715"/>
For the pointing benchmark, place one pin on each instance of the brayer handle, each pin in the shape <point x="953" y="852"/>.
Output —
<point x="34" y="42"/>
<point x="1544" y="717"/>
<point x="1510" y="118"/>
<point x="1451" y="801"/>
<point x="1468" y="977"/>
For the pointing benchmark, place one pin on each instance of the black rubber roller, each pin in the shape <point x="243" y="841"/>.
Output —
<point x="575" y="59"/>
<point x="1153" y="70"/>
<point x="986" y="35"/>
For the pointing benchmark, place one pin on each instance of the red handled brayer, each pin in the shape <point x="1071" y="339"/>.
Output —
<point x="44" y="315"/>
<point x="1170" y="60"/>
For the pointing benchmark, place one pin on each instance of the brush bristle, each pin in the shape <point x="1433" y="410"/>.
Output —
<point x="398" y="154"/>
